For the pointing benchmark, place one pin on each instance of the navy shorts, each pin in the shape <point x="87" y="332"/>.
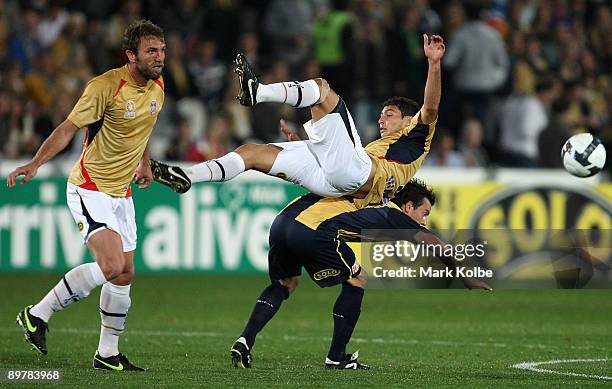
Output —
<point x="328" y="260"/>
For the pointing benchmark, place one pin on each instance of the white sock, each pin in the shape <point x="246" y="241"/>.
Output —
<point x="114" y="306"/>
<point x="74" y="286"/>
<point x="298" y="94"/>
<point x="221" y="169"/>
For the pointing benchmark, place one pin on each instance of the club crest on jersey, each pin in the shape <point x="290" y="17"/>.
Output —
<point x="130" y="110"/>
<point x="153" y="107"/>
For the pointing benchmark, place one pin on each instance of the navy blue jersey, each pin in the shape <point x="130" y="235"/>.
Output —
<point x="322" y="250"/>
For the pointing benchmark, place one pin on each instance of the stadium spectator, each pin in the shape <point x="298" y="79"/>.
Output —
<point x="479" y="62"/>
<point x="214" y="143"/>
<point x="372" y="68"/>
<point x="99" y="56"/>
<point x="333" y="46"/>
<point x="288" y="26"/>
<point x="130" y="11"/>
<point x="185" y="17"/>
<point x="523" y="118"/>
<point x="208" y="73"/>
<point x="182" y="141"/>
<point x="409" y="63"/>
<point x="453" y="18"/>
<point x="178" y="80"/>
<point x="70" y="56"/>
<point x="218" y="15"/>
<point x="443" y="153"/>
<point x="470" y="144"/>
<point x="554" y="136"/>
<point x="24" y="45"/>
<point x="41" y="83"/>
<point x="248" y="44"/>
<point x="238" y="115"/>
<point x="54" y="19"/>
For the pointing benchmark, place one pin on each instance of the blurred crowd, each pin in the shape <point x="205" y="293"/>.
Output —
<point x="519" y="76"/>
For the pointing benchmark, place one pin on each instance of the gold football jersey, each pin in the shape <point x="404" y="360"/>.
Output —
<point x="397" y="156"/>
<point x="119" y="116"/>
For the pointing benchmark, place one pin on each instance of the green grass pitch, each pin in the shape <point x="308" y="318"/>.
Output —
<point x="182" y="326"/>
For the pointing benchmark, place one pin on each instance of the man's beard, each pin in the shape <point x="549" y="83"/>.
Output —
<point x="146" y="72"/>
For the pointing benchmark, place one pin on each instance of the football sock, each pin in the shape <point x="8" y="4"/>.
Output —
<point x="74" y="286"/>
<point x="265" y="308"/>
<point x="221" y="169"/>
<point x="298" y="94"/>
<point x="346" y="313"/>
<point x="114" y="305"/>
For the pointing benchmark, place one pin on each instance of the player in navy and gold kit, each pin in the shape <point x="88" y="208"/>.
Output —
<point x="332" y="162"/>
<point x="312" y="232"/>
<point x="119" y="109"/>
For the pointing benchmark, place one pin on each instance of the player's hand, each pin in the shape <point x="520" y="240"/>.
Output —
<point x="28" y="171"/>
<point x="475" y="283"/>
<point x="287" y="131"/>
<point x="144" y="175"/>
<point x="434" y="48"/>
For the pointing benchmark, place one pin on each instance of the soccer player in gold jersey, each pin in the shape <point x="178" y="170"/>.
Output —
<point x="332" y="162"/>
<point x="119" y="109"/>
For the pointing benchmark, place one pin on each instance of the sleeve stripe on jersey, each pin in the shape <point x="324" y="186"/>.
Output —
<point x="88" y="184"/>
<point x="93" y="129"/>
<point x="121" y="84"/>
<point x="410" y="147"/>
<point x="392" y="160"/>
<point x="341" y="109"/>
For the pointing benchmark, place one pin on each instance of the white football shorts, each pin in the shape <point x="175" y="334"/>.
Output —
<point x="94" y="211"/>
<point x="332" y="163"/>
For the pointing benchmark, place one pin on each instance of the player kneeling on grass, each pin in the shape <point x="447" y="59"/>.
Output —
<point x="312" y="233"/>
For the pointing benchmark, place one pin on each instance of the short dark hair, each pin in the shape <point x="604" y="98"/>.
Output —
<point x="137" y="30"/>
<point x="406" y="106"/>
<point x="415" y="191"/>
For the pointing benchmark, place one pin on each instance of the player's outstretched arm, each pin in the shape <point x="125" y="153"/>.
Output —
<point x="56" y="142"/>
<point x="434" y="51"/>
<point x="469" y="282"/>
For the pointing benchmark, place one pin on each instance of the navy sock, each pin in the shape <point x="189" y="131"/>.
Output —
<point x="346" y="313"/>
<point x="265" y="308"/>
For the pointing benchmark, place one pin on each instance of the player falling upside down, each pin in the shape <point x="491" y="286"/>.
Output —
<point x="312" y="233"/>
<point x="119" y="109"/>
<point x="332" y="162"/>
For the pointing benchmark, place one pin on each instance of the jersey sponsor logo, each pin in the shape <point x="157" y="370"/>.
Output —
<point x="153" y="107"/>
<point x="318" y="276"/>
<point x="130" y="110"/>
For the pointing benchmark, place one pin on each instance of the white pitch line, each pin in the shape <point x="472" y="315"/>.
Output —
<point x="207" y="334"/>
<point x="533" y="366"/>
